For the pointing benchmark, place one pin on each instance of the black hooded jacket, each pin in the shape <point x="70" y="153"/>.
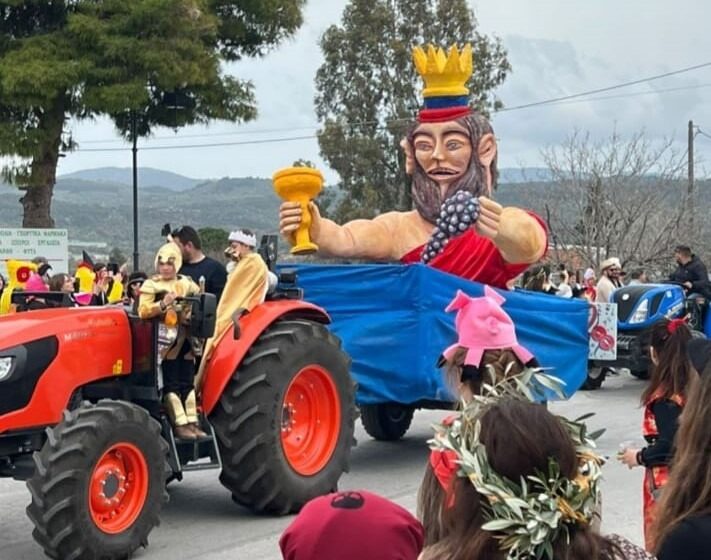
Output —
<point x="695" y="272"/>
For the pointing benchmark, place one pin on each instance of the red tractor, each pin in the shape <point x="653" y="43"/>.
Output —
<point x="81" y="418"/>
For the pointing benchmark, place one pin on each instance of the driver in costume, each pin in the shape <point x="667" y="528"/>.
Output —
<point x="158" y="299"/>
<point x="451" y="155"/>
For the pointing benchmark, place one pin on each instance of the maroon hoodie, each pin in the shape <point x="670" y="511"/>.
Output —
<point x="354" y="525"/>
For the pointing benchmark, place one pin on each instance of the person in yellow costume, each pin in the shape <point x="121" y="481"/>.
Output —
<point x="246" y="287"/>
<point x="18" y="273"/>
<point x="158" y="299"/>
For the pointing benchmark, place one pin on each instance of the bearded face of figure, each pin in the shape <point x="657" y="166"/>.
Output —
<point x="443" y="151"/>
<point x="450" y="157"/>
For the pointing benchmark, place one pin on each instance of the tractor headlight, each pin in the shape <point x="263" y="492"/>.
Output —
<point x="6" y="364"/>
<point x="641" y="313"/>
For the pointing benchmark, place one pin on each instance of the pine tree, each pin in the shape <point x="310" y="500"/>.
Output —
<point x="62" y="59"/>
<point x="368" y="91"/>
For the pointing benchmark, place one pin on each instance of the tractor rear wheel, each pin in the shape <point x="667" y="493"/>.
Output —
<point x="386" y="421"/>
<point x="284" y="423"/>
<point x="99" y="482"/>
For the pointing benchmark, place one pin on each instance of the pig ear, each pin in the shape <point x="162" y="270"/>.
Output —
<point x="493" y="294"/>
<point x="459" y="301"/>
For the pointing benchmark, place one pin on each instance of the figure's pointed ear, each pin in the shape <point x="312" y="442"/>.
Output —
<point x="459" y="301"/>
<point x="487" y="149"/>
<point x="409" y="157"/>
<point x="493" y="294"/>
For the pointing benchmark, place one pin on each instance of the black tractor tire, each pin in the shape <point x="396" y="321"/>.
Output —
<point x="595" y="377"/>
<point x="60" y="486"/>
<point x="386" y="421"/>
<point x="249" y="418"/>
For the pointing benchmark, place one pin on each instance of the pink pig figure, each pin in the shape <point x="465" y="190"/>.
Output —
<point x="482" y="325"/>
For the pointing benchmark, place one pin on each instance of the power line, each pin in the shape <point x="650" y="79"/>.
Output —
<point x="210" y="134"/>
<point x="553" y="101"/>
<point x="211" y="145"/>
<point x="632" y="94"/>
<point x="608" y="88"/>
<point x="363" y="123"/>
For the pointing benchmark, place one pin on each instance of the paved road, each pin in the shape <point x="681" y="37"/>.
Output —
<point x="202" y="522"/>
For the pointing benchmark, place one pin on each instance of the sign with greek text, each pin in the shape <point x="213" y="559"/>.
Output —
<point x="25" y="244"/>
<point x="602" y="328"/>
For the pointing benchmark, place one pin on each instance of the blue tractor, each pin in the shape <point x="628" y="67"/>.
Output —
<point x="638" y="308"/>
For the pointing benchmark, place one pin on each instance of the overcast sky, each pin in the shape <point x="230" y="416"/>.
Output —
<point x="556" y="48"/>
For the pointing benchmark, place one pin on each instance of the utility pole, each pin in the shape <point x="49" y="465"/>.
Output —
<point x="134" y="137"/>
<point x="690" y="204"/>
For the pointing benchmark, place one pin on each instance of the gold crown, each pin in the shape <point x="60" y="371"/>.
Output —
<point x="444" y="75"/>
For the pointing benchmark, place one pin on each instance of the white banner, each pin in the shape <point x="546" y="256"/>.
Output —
<point x="24" y="244"/>
<point x="602" y="328"/>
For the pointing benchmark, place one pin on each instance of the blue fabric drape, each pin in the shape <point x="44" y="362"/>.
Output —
<point x="392" y="322"/>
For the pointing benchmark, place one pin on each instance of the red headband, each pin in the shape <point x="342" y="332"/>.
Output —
<point x="675" y="324"/>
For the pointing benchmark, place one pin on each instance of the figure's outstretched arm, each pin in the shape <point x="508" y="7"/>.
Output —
<point x="370" y="239"/>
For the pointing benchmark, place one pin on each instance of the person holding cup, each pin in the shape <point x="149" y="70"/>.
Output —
<point x="683" y="524"/>
<point x="663" y="401"/>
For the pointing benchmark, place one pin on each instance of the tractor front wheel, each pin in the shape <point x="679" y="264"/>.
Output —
<point x="595" y="378"/>
<point x="386" y="421"/>
<point x="99" y="482"/>
<point x="284" y="423"/>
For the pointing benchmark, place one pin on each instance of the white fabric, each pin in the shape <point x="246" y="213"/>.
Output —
<point x="612" y="261"/>
<point x="604" y="288"/>
<point x="272" y="282"/>
<point x="240" y="237"/>
<point x="564" y="291"/>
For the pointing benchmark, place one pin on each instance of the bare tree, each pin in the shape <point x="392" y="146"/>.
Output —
<point x="617" y="197"/>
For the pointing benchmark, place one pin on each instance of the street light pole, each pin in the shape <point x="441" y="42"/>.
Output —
<point x="135" y="191"/>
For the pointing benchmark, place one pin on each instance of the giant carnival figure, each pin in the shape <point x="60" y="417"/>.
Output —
<point x="451" y="156"/>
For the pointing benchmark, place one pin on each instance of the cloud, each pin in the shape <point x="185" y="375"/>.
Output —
<point x="546" y="69"/>
<point x="556" y="48"/>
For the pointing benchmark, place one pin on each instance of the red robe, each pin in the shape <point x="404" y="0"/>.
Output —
<point x="475" y="258"/>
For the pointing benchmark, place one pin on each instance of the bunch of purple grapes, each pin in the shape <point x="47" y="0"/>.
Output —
<point x="459" y="212"/>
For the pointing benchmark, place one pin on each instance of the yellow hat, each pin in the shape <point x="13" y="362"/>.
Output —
<point x="169" y="253"/>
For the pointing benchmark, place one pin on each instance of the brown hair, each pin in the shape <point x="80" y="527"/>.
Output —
<point x="514" y="451"/>
<point x="56" y="283"/>
<point x="688" y="491"/>
<point x="493" y="363"/>
<point x="431" y="495"/>
<point x="537" y="280"/>
<point x="671" y="375"/>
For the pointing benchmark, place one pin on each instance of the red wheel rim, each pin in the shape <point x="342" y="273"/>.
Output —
<point x="118" y="488"/>
<point x="311" y="420"/>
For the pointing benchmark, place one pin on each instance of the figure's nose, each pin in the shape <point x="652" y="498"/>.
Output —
<point x="438" y="152"/>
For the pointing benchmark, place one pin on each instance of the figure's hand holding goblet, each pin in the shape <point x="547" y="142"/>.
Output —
<point x="290" y="218"/>
<point x="298" y="186"/>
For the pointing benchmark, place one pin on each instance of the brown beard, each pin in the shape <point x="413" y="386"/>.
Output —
<point x="426" y="193"/>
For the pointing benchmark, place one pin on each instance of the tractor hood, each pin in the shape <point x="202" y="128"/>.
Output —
<point x="642" y="305"/>
<point x="55" y="352"/>
<point x="67" y="324"/>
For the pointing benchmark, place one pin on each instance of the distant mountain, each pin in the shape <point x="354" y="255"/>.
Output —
<point x="147" y="177"/>
<point x="524" y="175"/>
<point x="101" y="210"/>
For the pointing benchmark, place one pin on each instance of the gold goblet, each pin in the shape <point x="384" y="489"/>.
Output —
<point x="300" y="184"/>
